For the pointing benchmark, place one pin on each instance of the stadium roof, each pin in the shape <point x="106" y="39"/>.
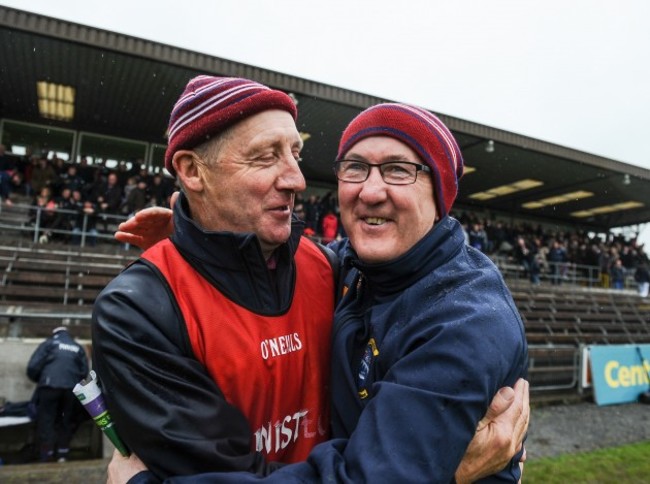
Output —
<point x="125" y="87"/>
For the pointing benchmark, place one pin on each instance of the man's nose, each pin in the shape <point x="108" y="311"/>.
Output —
<point x="291" y="177"/>
<point x="374" y="188"/>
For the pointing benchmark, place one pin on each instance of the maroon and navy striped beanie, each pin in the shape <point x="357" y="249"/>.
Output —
<point x="424" y="133"/>
<point x="210" y="104"/>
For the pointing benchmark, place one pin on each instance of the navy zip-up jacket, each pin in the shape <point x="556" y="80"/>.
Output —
<point x="58" y="362"/>
<point x="421" y="345"/>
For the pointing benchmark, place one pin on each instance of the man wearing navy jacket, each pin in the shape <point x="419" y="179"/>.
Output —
<point x="57" y="365"/>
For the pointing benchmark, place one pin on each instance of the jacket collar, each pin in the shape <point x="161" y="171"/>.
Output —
<point x="235" y="264"/>
<point x="191" y="239"/>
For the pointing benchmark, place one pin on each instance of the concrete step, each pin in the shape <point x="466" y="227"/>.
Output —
<point x="86" y="471"/>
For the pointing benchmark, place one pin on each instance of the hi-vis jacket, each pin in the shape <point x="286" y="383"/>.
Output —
<point x="209" y="360"/>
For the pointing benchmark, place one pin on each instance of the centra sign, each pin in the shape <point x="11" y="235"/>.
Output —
<point x="620" y="373"/>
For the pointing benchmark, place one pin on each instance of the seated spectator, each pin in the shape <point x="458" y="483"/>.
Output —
<point x="72" y="180"/>
<point x="86" y="223"/>
<point x="9" y="181"/>
<point x="46" y="217"/>
<point x="43" y="175"/>
<point x="67" y="206"/>
<point x="87" y="172"/>
<point x="160" y="190"/>
<point x="108" y="198"/>
<point x="137" y="198"/>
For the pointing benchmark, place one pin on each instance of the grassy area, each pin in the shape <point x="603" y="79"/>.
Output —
<point x="620" y="465"/>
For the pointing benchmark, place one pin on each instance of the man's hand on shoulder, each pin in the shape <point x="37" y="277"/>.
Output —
<point x="148" y="226"/>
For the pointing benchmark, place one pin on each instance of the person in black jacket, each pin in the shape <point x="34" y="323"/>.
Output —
<point x="57" y="365"/>
<point x="642" y="278"/>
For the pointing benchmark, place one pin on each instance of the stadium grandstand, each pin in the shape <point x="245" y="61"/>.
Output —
<point x="554" y="219"/>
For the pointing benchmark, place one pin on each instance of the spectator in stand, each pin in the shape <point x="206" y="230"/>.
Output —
<point x="7" y="170"/>
<point x="160" y="190"/>
<point x="130" y="185"/>
<point x="60" y="168"/>
<point x="87" y="172"/>
<point x="143" y="174"/>
<point x="6" y="164"/>
<point x="137" y="198"/>
<point x="299" y="208"/>
<point x="72" y="179"/>
<point x="330" y="226"/>
<point x="27" y="164"/>
<point x="642" y="278"/>
<point x="9" y="181"/>
<point x="478" y="237"/>
<point x="604" y="265"/>
<point x="109" y="199"/>
<point x="525" y="255"/>
<point x="57" y="365"/>
<point x="43" y="175"/>
<point x="67" y="209"/>
<point x="629" y="259"/>
<point x="45" y="215"/>
<point x="617" y="273"/>
<point x="123" y="172"/>
<point x="85" y="226"/>
<point x="311" y="213"/>
<point x="557" y="258"/>
<point x="497" y="236"/>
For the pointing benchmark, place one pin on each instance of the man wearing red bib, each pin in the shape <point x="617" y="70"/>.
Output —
<point x="213" y="348"/>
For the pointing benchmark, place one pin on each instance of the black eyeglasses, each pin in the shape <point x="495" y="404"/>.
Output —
<point x="393" y="172"/>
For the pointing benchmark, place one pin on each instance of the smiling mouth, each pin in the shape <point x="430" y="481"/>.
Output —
<point x="375" y="220"/>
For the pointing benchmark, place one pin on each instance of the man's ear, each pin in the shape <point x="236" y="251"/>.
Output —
<point x="187" y="165"/>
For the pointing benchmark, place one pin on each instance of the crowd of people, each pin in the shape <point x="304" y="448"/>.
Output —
<point x="88" y="197"/>
<point x="551" y="252"/>
<point x="71" y="198"/>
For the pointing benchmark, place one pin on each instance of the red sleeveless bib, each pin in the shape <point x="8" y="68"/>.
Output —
<point x="275" y="369"/>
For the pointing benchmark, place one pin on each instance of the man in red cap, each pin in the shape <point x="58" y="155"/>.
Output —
<point x="189" y="339"/>
<point x="239" y="187"/>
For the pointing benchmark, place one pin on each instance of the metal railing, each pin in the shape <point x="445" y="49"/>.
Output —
<point x="558" y="273"/>
<point x="76" y="228"/>
<point x="553" y="367"/>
